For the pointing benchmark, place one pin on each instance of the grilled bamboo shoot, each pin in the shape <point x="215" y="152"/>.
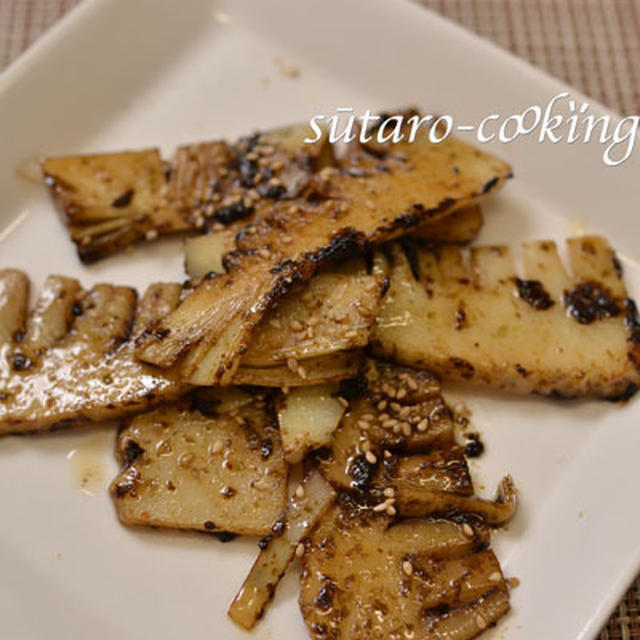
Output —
<point x="544" y="330"/>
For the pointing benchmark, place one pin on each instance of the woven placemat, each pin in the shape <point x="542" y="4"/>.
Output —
<point x="593" y="45"/>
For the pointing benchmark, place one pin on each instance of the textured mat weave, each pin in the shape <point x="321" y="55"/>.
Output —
<point x="593" y="45"/>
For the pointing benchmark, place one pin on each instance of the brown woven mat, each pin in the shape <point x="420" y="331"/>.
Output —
<point x="593" y="45"/>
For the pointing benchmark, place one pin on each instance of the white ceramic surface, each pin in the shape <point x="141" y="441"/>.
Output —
<point x="123" y="73"/>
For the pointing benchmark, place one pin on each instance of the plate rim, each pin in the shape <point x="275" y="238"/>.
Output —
<point x="88" y="10"/>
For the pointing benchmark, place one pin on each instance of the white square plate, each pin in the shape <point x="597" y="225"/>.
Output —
<point x="122" y="74"/>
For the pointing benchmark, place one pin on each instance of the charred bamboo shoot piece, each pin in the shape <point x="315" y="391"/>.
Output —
<point x="217" y="466"/>
<point x="307" y="417"/>
<point x="112" y="200"/>
<point x="398" y="411"/>
<point x="74" y="361"/>
<point x="459" y="227"/>
<point x="365" y="578"/>
<point x="414" y="186"/>
<point x="546" y="330"/>
<point x="303" y="513"/>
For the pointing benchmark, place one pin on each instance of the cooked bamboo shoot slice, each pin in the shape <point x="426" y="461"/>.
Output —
<point x="439" y="470"/>
<point x="14" y="298"/>
<point x="53" y="314"/>
<point x="418" y="502"/>
<point x="364" y="579"/>
<point x="312" y="371"/>
<point x="547" y="330"/>
<point x="204" y="254"/>
<point x="413" y="189"/>
<point x="303" y="513"/>
<point x="307" y="416"/>
<point x="334" y="312"/>
<point x="400" y="411"/>
<point x="89" y="373"/>
<point x="222" y="470"/>
<point x="459" y="227"/>
<point x="111" y="200"/>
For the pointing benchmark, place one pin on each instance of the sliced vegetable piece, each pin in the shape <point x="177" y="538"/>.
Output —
<point x="289" y="245"/>
<point x="75" y="362"/>
<point x="364" y="579"/>
<point x="304" y="511"/>
<point x="395" y="411"/>
<point x="14" y="298"/>
<point x="312" y="371"/>
<point x="334" y="312"/>
<point x="111" y="200"/>
<point x="544" y="330"/>
<point x="459" y="227"/>
<point x="419" y="502"/>
<point x="307" y="417"/>
<point x="218" y="467"/>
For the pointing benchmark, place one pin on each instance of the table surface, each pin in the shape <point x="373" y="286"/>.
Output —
<point x="593" y="45"/>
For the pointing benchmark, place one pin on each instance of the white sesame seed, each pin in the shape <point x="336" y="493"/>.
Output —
<point x="296" y="325"/>
<point x="380" y="507"/>
<point x="366" y="446"/>
<point x="363" y="424"/>
<point x="481" y="623"/>
<point x="300" y="550"/>
<point x="370" y="457"/>
<point x="343" y="401"/>
<point x="299" y="491"/>
<point x="292" y="365"/>
<point x="152" y="234"/>
<point x="467" y="529"/>
<point x="389" y="492"/>
<point x="387" y="454"/>
<point x="382" y="405"/>
<point x="388" y="424"/>
<point x="401" y="394"/>
<point x="395" y="407"/>
<point x="302" y="372"/>
<point x="185" y="460"/>
<point x="391" y="510"/>
<point x="406" y="429"/>
<point x="218" y="445"/>
<point x="411" y="383"/>
<point x="275" y="323"/>
<point x="407" y="567"/>
<point x="368" y="416"/>
<point x="495" y="577"/>
<point x="423" y="425"/>
<point x="264" y="253"/>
